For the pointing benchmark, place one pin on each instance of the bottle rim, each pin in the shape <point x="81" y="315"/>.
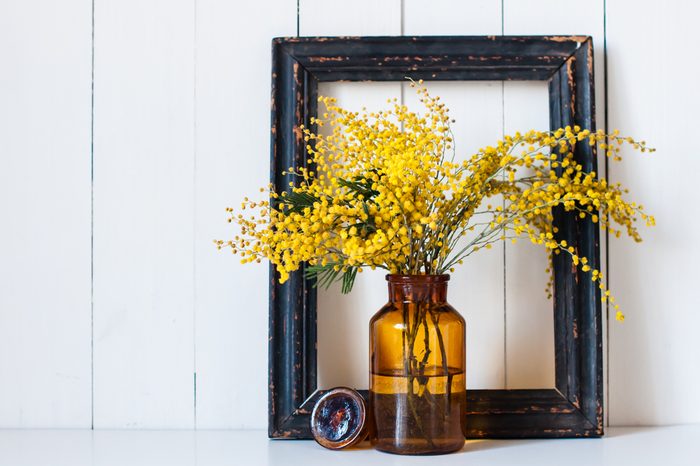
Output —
<point x="417" y="279"/>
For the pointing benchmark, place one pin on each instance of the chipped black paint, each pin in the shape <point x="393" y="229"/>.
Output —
<point x="575" y="407"/>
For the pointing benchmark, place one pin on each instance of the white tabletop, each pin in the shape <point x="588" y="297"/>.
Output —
<point x="667" y="446"/>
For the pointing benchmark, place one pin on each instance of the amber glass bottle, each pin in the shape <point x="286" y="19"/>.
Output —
<point x="417" y="386"/>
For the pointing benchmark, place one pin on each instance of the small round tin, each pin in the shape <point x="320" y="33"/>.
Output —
<point x="338" y="419"/>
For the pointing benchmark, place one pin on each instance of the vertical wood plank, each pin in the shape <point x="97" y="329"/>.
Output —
<point x="452" y="18"/>
<point x="476" y="288"/>
<point x="341" y="18"/>
<point x="45" y="205"/>
<point x="652" y="95"/>
<point x="343" y="320"/>
<point x="143" y="214"/>
<point x="529" y="319"/>
<point x="232" y="147"/>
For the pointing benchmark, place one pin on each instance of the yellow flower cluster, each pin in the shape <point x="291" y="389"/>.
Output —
<point x="383" y="190"/>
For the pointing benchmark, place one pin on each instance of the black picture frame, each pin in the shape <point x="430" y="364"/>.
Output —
<point x="575" y="407"/>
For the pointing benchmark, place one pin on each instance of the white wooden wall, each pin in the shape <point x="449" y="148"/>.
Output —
<point x="127" y="126"/>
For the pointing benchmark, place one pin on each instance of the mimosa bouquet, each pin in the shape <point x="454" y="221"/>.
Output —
<point x="386" y="191"/>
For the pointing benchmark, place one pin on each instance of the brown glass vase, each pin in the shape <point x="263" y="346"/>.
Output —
<point x="417" y="390"/>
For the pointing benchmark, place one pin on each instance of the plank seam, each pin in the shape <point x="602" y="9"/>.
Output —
<point x="194" y="213"/>
<point x="505" y="275"/>
<point x="606" y="237"/>
<point x="92" y="216"/>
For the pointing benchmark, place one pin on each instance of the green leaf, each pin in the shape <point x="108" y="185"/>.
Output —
<point x="348" y="280"/>
<point x="297" y="201"/>
<point x="360" y="185"/>
<point x="326" y="275"/>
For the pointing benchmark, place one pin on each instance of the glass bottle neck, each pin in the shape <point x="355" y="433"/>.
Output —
<point x="417" y="288"/>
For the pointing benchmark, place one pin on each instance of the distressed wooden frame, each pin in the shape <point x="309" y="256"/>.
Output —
<point x="575" y="407"/>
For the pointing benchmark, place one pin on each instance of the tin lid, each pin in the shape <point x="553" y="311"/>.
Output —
<point x="338" y="419"/>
